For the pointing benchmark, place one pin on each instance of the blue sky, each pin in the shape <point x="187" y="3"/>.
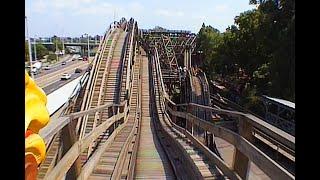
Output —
<point x="76" y="17"/>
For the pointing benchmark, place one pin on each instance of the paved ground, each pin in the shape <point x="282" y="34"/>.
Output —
<point x="54" y="75"/>
<point x="56" y="66"/>
<point x="59" y="83"/>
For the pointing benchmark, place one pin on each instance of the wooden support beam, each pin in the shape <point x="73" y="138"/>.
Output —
<point x="174" y="118"/>
<point x="71" y="156"/>
<point x="69" y="137"/>
<point x="241" y="161"/>
<point x="265" y="163"/>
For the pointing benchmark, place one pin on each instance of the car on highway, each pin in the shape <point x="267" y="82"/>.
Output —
<point x="78" y="70"/>
<point x="47" y="67"/>
<point x="63" y="63"/>
<point x="65" y="76"/>
<point x="80" y="58"/>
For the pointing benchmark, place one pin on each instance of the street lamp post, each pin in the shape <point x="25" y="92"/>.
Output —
<point x="88" y="46"/>
<point x="62" y="39"/>
<point x="57" y="50"/>
<point x="63" y="46"/>
<point x="29" y="47"/>
<point x="35" y="49"/>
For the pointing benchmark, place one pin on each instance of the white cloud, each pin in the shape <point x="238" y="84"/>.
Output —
<point x="104" y="9"/>
<point x="62" y="4"/>
<point x="163" y="12"/>
<point x="136" y="7"/>
<point x="180" y="14"/>
<point x="87" y="1"/>
<point x="221" y="8"/>
<point x="199" y="17"/>
<point x="166" y="13"/>
<point x="39" y="6"/>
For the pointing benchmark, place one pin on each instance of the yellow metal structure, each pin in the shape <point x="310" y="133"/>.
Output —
<point x="36" y="117"/>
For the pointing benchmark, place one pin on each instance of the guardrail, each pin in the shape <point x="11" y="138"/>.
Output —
<point x="84" y="142"/>
<point x="123" y="57"/>
<point x="89" y="88"/>
<point x="79" y="146"/>
<point x="266" y="164"/>
<point x="135" y="147"/>
<point x="130" y="61"/>
<point x="93" y="80"/>
<point x="245" y="150"/>
<point x="211" y="156"/>
<point x="62" y="96"/>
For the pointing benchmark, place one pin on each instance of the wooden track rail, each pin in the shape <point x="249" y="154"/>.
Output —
<point x="126" y="127"/>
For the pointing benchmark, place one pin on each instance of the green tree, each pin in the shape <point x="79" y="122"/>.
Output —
<point x="26" y="52"/>
<point x="56" y="42"/>
<point x="208" y="40"/>
<point x="261" y="43"/>
<point x="51" y="57"/>
<point x="41" y="51"/>
<point x="67" y="50"/>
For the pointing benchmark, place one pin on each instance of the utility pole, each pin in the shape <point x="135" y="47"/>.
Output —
<point x="35" y="49"/>
<point x="62" y="39"/>
<point x="29" y="47"/>
<point x="62" y="47"/>
<point x="88" y="48"/>
<point x="57" y="50"/>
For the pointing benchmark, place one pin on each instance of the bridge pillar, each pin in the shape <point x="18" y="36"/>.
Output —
<point x="241" y="163"/>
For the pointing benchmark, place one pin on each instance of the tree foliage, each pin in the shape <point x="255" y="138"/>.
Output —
<point x="41" y="51"/>
<point x="56" y="42"/>
<point x="259" y="46"/>
<point x="26" y="52"/>
<point x="51" y="57"/>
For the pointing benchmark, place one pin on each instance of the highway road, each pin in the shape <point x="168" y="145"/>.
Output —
<point x="59" y="83"/>
<point x="50" y="80"/>
<point x="54" y="76"/>
<point x="56" y="66"/>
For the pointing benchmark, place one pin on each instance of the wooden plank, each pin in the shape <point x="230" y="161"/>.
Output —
<point x="65" y="163"/>
<point x="53" y="128"/>
<point x="56" y="125"/>
<point x="93" y="161"/>
<point x="209" y="154"/>
<point x="241" y="161"/>
<point x="270" y="167"/>
<point x="272" y="131"/>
